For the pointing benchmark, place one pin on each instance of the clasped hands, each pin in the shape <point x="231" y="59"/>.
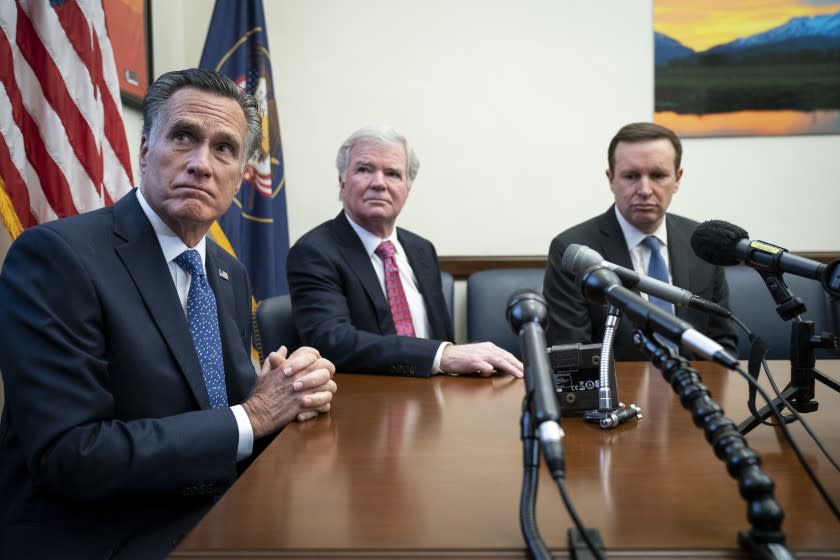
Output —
<point x="297" y="387"/>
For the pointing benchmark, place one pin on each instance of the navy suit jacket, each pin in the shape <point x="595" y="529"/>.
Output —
<point x="341" y="310"/>
<point x="571" y="319"/>
<point x="108" y="443"/>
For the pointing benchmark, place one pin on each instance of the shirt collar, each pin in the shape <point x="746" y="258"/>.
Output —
<point x="371" y="241"/>
<point x="634" y="235"/>
<point x="170" y="244"/>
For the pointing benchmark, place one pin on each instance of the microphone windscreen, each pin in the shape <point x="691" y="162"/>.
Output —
<point x="715" y="241"/>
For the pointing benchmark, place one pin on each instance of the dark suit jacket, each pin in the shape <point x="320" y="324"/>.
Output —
<point x="572" y="319"/>
<point x="340" y="309"/>
<point x="107" y="439"/>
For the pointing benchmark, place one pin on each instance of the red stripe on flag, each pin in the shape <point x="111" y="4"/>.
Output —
<point x="53" y="182"/>
<point x="86" y="45"/>
<point x="15" y="187"/>
<point x="55" y="91"/>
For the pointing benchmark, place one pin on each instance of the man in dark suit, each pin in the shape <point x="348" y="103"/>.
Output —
<point x="131" y="398"/>
<point x="368" y="294"/>
<point x="644" y="173"/>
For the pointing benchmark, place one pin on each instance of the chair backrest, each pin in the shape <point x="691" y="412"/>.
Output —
<point x="487" y="298"/>
<point x="274" y="326"/>
<point x="274" y="322"/>
<point x="751" y="302"/>
<point x="448" y="285"/>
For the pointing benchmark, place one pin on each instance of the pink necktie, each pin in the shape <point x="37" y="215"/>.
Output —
<point x="394" y="288"/>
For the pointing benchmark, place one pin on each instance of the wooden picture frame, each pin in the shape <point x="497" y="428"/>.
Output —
<point x="129" y="25"/>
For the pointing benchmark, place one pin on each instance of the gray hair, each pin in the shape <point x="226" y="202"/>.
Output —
<point x="209" y="81"/>
<point x="377" y="135"/>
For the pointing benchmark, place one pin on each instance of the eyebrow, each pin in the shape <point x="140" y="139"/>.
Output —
<point x="193" y="128"/>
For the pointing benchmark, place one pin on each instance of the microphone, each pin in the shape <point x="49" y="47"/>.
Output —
<point x="725" y="244"/>
<point x="601" y="285"/>
<point x="527" y="313"/>
<point x="579" y="258"/>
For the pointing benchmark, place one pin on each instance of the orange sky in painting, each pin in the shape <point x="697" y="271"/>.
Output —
<point x="704" y="24"/>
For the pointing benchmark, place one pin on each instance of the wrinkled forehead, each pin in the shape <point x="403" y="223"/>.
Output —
<point x="390" y="154"/>
<point x="657" y="153"/>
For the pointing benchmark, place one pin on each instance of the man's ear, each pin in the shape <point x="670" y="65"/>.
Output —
<point x="678" y="176"/>
<point x="144" y="149"/>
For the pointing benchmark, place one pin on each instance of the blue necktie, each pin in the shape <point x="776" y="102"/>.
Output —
<point x="204" y="327"/>
<point x="657" y="269"/>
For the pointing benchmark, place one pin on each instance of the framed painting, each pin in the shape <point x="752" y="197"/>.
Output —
<point x="130" y="30"/>
<point x="747" y="68"/>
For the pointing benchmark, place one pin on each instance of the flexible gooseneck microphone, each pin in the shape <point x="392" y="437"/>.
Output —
<point x="599" y="284"/>
<point x="725" y="244"/>
<point x="579" y="258"/>
<point x="527" y="313"/>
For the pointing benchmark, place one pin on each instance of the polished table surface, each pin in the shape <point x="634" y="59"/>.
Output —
<point x="432" y="468"/>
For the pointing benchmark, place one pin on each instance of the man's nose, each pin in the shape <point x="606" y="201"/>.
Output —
<point x="377" y="179"/>
<point x="645" y="188"/>
<point x="199" y="161"/>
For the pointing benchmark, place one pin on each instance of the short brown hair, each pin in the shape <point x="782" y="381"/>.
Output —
<point x="642" y="132"/>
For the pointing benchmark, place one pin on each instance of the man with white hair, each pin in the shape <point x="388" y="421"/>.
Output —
<point x="367" y="293"/>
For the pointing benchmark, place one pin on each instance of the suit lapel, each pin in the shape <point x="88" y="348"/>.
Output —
<point x="359" y="262"/>
<point x="142" y="257"/>
<point x="679" y="242"/>
<point x="613" y="244"/>
<point x="428" y="277"/>
<point x="221" y="282"/>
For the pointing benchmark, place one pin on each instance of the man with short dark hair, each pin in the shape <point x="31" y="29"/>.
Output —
<point x="367" y="293"/>
<point x="637" y="233"/>
<point x="131" y="399"/>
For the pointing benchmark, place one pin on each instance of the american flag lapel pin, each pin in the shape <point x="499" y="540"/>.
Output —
<point x="223" y="274"/>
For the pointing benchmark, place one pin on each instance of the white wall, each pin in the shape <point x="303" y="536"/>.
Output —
<point x="510" y="107"/>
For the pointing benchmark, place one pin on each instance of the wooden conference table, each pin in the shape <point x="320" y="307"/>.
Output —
<point x="431" y="468"/>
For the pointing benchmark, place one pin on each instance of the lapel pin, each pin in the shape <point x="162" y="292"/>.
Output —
<point x="223" y="274"/>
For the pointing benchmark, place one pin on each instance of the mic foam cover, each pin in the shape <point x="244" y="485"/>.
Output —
<point x="715" y="242"/>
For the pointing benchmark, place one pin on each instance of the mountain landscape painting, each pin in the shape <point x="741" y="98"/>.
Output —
<point x="747" y="67"/>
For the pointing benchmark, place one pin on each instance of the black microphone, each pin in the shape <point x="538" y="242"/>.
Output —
<point x="579" y="258"/>
<point x="526" y="313"/>
<point x="725" y="244"/>
<point x="601" y="285"/>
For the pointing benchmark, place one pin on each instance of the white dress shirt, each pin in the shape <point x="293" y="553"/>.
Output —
<point x="416" y="303"/>
<point x="639" y="254"/>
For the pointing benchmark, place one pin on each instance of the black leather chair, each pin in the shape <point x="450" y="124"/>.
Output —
<point x="274" y="322"/>
<point x="487" y="298"/>
<point x="274" y="326"/>
<point x="751" y="302"/>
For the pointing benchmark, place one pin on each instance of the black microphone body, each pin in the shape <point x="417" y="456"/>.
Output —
<point x="725" y="244"/>
<point x="602" y="285"/>
<point x="527" y="313"/>
<point x="579" y="258"/>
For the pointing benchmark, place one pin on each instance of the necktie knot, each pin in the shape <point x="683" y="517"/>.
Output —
<point x="386" y="250"/>
<point x="652" y="243"/>
<point x="190" y="261"/>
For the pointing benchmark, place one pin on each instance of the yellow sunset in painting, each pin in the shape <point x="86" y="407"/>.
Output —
<point x="701" y="25"/>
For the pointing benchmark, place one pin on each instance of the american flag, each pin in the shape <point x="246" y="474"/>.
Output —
<point x="63" y="149"/>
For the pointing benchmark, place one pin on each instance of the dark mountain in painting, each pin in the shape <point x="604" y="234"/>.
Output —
<point x="667" y="49"/>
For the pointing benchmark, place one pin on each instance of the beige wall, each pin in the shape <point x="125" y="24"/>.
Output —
<point x="510" y="106"/>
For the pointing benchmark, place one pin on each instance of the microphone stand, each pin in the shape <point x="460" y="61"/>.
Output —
<point x="804" y="341"/>
<point x="608" y="416"/>
<point x="765" y="539"/>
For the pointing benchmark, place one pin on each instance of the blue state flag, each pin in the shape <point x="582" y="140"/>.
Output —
<point x="255" y="228"/>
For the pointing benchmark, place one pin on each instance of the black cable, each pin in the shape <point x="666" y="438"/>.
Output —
<point x="561" y="485"/>
<point x="795" y="415"/>
<point x="783" y="425"/>
<point x="530" y="481"/>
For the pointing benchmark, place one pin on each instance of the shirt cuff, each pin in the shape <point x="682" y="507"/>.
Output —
<point x="436" y="364"/>
<point x="246" y="433"/>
